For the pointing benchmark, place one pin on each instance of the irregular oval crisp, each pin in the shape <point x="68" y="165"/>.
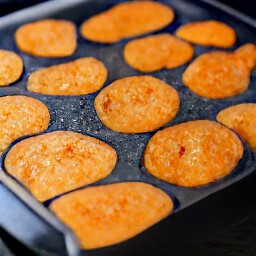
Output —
<point x="217" y="75"/>
<point x="193" y="153"/>
<point x="106" y="215"/>
<point x="47" y="38"/>
<point x="242" y="119"/>
<point x="21" y="116"/>
<point x="247" y="53"/>
<point x="156" y="52"/>
<point x="126" y="20"/>
<point x="208" y="33"/>
<point x="11" y="67"/>
<point x="82" y="76"/>
<point x="137" y="104"/>
<point x="57" y="162"/>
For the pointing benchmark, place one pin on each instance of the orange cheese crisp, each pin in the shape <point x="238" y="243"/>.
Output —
<point x="127" y="20"/>
<point x="137" y="104"/>
<point x="242" y="119"/>
<point x="106" y="215"/>
<point x="247" y="53"/>
<point x="11" y="67"/>
<point x="156" y="52"/>
<point x="57" y="162"/>
<point x="82" y="76"/>
<point x="47" y="38"/>
<point x="219" y="75"/>
<point x="20" y="116"/>
<point x="208" y="33"/>
<point x="192" y="154"/>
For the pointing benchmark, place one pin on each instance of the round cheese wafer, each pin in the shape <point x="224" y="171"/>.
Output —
<point x="156" y="52"/>
<point x="21" y="116"/>
<point x="137" y="104"/>
<point x="11" y="67"/>
<point x="192" y="154"/>
<point x="217" y="75"/>
<point x="47" y="38"/>
<point x="208" y="33"/>
<point x="106" y="215"/>
<point x="57" y="162"/>
<point x="247" y="53"/>
<point x="242" y="119"/>
<point x="127" y="20"/>
<point x="82" y="76"/>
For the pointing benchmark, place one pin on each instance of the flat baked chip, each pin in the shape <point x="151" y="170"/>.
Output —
<point x="109" y="214"/>
<point x="208" y="33"/>
<point x="192" y="154"/>
<point x="82" y="76"/>
<point x="247" y="53"/>
<point x="156" y="52"/>
<point x="127" y="20"/>
<point x="21" y="116"/>
<point x="11" y="67"/>
<point x="47" y="38"/>
<point x="242" y="119"/>
<point x="57" y="162"/>
<point x="137" y="104"/>
<point x="218" y="75"/>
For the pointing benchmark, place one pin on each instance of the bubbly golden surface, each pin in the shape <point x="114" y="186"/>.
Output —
<point x="208" y="33"/>
<point x="126" y="20"/>
<point x="156" y="52"/>
<point x="137" y="104"/>
<point x="20" y="116"/>
<point x="242" y="119"/>
<point x="247" y="53"/>
<point x="105" y="215"/>
<point x="219" y="74"/>
<point x="47" y="38"/>
<point x="57" y="162"/>
<point x="82" y="76"/>
<point x="192" y="154"/>
<point x="11" y="67"/>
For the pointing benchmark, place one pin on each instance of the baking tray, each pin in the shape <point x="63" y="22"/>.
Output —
<point x="76" y="113"/>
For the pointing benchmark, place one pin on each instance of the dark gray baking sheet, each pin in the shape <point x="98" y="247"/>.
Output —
<point x="76" y="113"/>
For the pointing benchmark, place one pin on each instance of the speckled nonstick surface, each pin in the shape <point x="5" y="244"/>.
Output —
<point x="77" y="113"/>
